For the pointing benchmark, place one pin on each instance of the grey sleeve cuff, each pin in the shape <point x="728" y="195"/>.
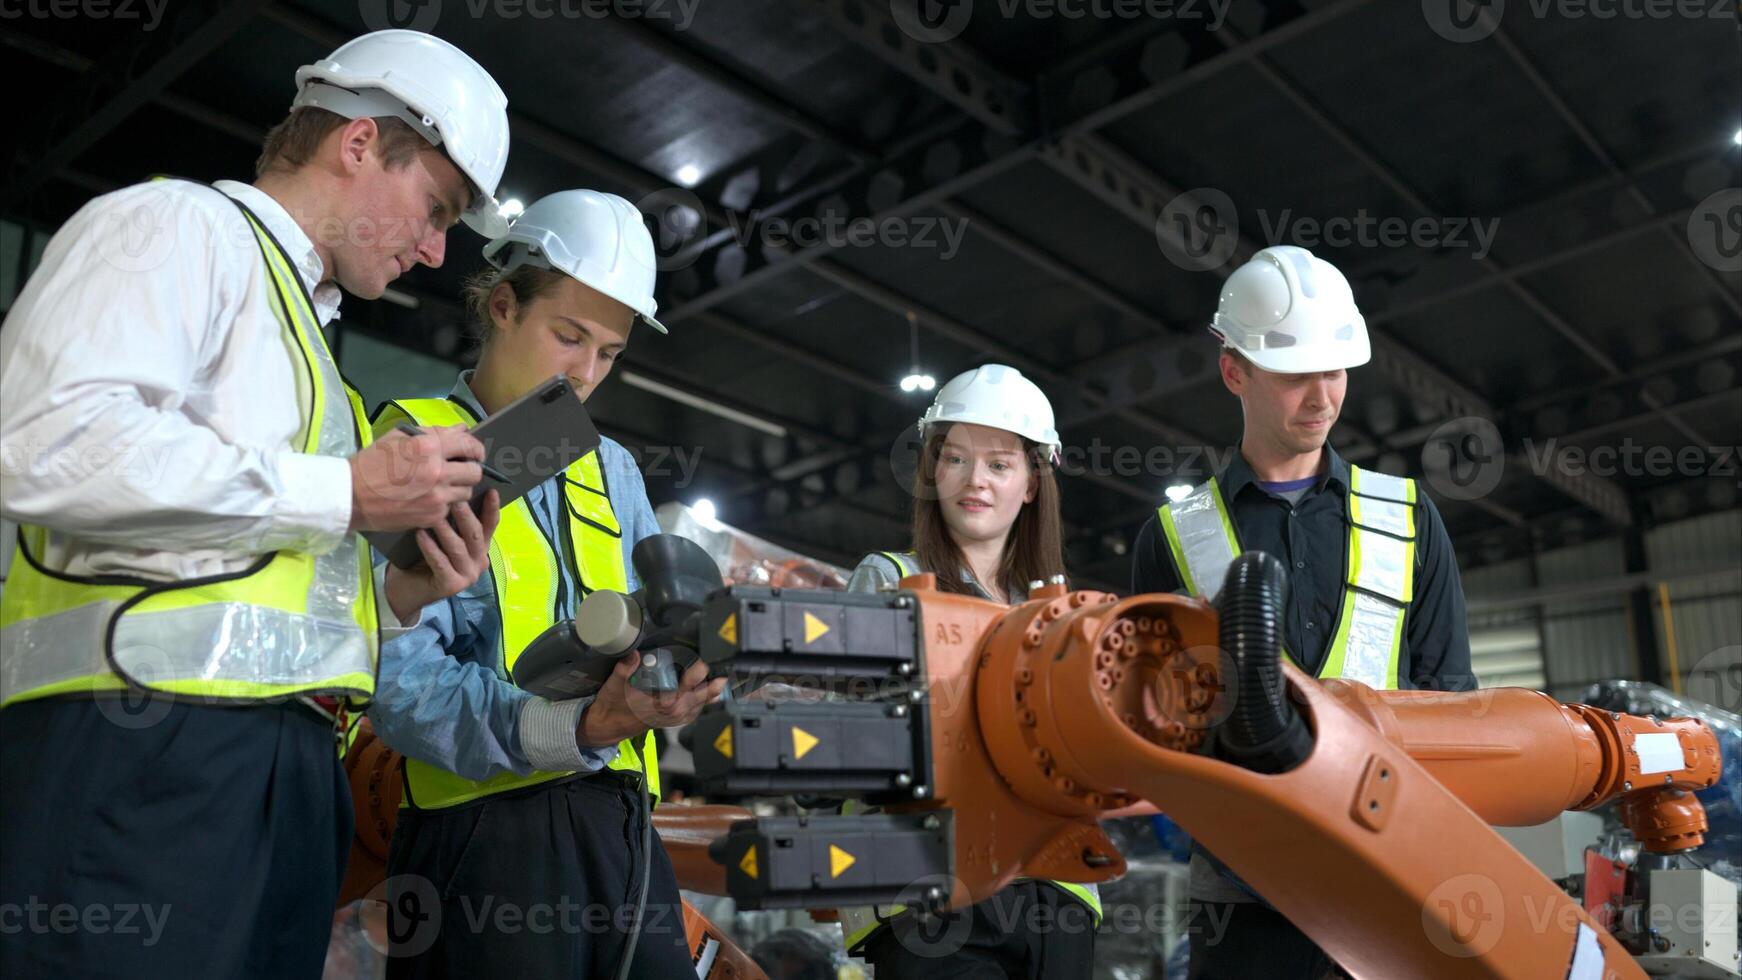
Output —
<point x="873" y="574"/>
<point x="547" y="737"/>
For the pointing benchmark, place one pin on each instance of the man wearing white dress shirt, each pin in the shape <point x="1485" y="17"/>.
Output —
<point x="189" y="473"/>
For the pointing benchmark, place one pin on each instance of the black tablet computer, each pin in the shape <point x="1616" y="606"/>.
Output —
<point x="536" y="437"/>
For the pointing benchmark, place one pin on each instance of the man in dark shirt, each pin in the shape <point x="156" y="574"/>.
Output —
<point x="1290" y="330"/>
<point x="1303" y="524"/>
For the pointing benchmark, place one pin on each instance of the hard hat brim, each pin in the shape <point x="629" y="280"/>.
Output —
<point x="485" y="217"/>
<point x="1310" y="360"/>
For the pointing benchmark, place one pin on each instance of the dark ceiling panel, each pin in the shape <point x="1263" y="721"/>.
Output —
<point x="1066" y="221"/>
<point x="1659" y="81"/>
<point x="1454" y="120"/>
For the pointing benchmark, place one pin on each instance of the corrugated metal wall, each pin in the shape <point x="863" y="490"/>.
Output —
<point x="1705" y="611"/>
<point x="1587" y="639"/>
<point x="1505" y="644"/>
<point x="1562" y="645"/>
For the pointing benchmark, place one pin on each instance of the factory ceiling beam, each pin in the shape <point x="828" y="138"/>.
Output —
<point x="953" y="72"/>
<point x="1058" y="268"/>
<point x="668" y="47"/>
<point x="953" y="162"/>
<point x="115" y="86"/>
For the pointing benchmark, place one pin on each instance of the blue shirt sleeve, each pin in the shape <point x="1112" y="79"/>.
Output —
<point x="629" y="500"/>
<point x="439" y="709"/>
<point x="451" y="711"/>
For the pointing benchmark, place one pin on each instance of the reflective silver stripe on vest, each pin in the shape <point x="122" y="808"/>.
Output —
<point x="52" y="649"/>
<point x="1203" y="538"/>
<point x="232" y="641"/>
<point x="1384" y="564"/>
<point x="340" y="573"/>
<point x="1381" y="580"/>
<point x="1374" y="630"/>
<point x="1382" y="485"/>
<point x="1383" y="515"/>
<point x="161" y="646"/>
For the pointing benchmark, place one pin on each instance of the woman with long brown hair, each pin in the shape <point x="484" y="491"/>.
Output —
<point x="986" y="523"/>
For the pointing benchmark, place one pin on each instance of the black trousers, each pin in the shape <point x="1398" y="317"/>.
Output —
<point x="1029" y="931"/>
<point x="1256" y="941"/>
<point x="537" y="883"/>
<point x="163" y="839"/>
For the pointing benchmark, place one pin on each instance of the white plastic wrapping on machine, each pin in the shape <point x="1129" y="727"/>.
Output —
<point x="746" y="559"/>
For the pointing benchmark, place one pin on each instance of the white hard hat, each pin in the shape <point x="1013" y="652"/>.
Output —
<point x="1293" y="313"/>
<point x="432" y="85"/>
<point x="595" y="237"/>
<point x="998" y="396"/>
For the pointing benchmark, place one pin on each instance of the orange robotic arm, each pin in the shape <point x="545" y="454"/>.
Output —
<point x="1377" y="844"/>
<point x="996" y="738"/>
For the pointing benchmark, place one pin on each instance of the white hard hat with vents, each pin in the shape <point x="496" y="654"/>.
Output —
<point x="997" y="396"/>
<point x="595" y="237"/>
<point x="1291" y="312"/>
<point x="435" y="88"/>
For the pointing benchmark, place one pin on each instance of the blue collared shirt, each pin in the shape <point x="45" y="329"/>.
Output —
<point x="444" y="696"/>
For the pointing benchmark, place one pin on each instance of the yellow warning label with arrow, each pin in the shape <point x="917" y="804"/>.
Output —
<point x="748" y="865"/>
<point x="813" y="627"/>
<point x="729" y="629"/>
<point x="802" y="742"/>
<point x="723" y="742"/>
<point x="839" y="861"/>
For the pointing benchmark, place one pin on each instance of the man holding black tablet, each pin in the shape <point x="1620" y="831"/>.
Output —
<point x="189" y="472"/>
<point x="515" y="802"/>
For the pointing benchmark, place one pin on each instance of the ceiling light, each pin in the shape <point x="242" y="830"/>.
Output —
<point x="703" y="511"/>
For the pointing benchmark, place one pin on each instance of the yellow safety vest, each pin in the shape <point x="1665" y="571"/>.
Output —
<point x="525" y="573"/>
<point x="1380" y="584"/>
<point x="289" y="624"/>
<point x="860" y="923"/>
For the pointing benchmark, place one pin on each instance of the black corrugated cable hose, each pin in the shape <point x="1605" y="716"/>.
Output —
<point x="1265" y="732"/>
